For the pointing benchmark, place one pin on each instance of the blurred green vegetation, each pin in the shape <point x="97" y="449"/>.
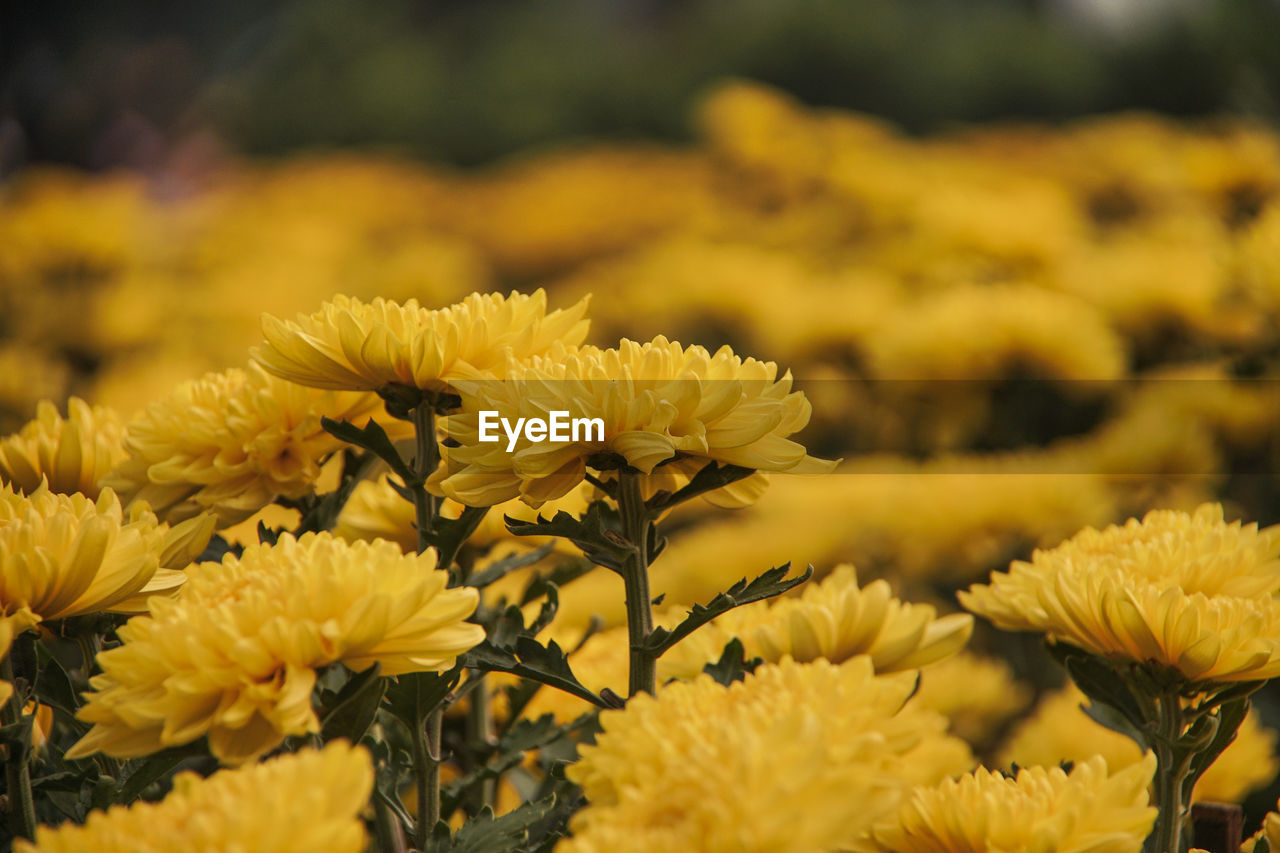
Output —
<point x="467" y="82"/>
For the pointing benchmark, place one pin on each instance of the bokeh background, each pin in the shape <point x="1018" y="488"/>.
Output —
<point x="1023" y="256"/>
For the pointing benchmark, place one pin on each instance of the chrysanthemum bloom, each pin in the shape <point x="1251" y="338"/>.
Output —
<point x="231" y="443"/>
<point x="798" y="757"/>
<point x="658" y="403"/>
<point x="1184" y="591"/>
<point x="1040" y="809"/>
<point x="72" y="454"/>
<point x="352" y="345"/>
<point x="307" y="800"/>
<point x="1059" y="730"/>
<point x="234" y="655"/>
<point x="65" y="555"/>
<point x="835" y="619"/>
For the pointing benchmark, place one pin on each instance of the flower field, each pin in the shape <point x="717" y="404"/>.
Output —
<point x="933" y="504"/>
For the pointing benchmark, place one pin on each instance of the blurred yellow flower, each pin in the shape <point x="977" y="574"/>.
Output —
<point x="307" y="800"/>
<point x="6" y="640"/>
<point x="1184" y="591"/>
<point x="352" y="345"/>
<point x="1084" y="811"/>
<point x="66" y="555"/>
<point x="71" y="453"/>
<point x="835" y="619"/>
<point x="798" y="757"/>
<point x="975" y="693"/>
<point x="234" y="656"/>
<point x="658" y="402"/>
<point x="231" y="443"/>
<point x="1059" y="730"/>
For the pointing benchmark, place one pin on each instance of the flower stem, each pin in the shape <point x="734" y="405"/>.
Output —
<point x="1171" y="773"/>
<point x="22" y="808"/>
<point x="428" y="723"/>
<point x="635" y="577"/>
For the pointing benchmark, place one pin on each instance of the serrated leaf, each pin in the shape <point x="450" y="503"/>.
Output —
<point x="771" y="583"/>
<point x="595" y="533"/>
<point x="712" y="476"/>
<point x="450" y="534"/>
<point x="372" y="438"/>
<point x="732" y="665"/>
<point x="530" y="659"/>
<point x="501" y="568"/>
<point x="565" y="572"/>
<point x="410" y="697"/>
<point x="355" y="706"/>
<point x="486" y="834"/>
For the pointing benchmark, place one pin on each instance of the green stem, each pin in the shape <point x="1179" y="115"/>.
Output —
<point x="427" y="726"/>
<point x="635" y="578"/>
<point x="1171" y="773"/>
<point x="480" y="735"/>
<point x="22" y="807"/>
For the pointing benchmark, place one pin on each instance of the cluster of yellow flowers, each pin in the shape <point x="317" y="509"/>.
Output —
<point x="1127" y="267"/>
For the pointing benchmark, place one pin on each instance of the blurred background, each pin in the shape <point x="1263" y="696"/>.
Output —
<point x="1023" y="256"/>
<point x="134" y="82"/>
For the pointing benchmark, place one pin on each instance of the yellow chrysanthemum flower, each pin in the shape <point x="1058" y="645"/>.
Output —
<point x="231" y="443"/>
<point x="798" y="757"/>
<point x="656" y="402"/>
<point x="234" y="655"/>
<point x="307" y="800"/>
<point x="836" y="619"/>
<point x="352" y="345"/>
<point x="72" y="454"/>
<point x="1084" y="811"/>
<point x="65" y="555"/>
<point x="1184" y="591"/>
<point x="1059" y="730"/>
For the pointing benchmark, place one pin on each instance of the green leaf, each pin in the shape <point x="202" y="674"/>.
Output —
<point x="355" y="706"/>
<point x="596" y="533"/>
<point x="506" y="754"/>
<point x="372" y="438"/>
<point x="567" y="571"/>
<point x="712" y="476"/>
<point x="1109" y="717"/>
<point x="410" y="697"/>
<point x="54" y="685"/>
<point x="155" y="767"/>
<point x="732" y="665"/>
<point x="501" y="568"/>
<point x="1099" y="680"/>
<point x="771" y="583"/>
<point x="530" y="659"/>
<point x="486" y="834"/>
<point x="450" y="534"/>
